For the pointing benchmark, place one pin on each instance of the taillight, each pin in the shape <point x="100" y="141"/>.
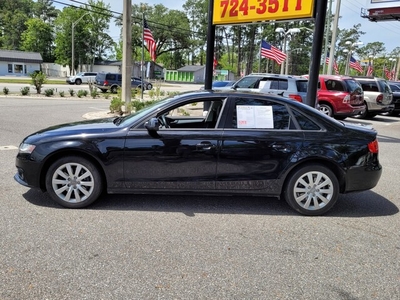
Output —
<point x="379" y="98"/>
<point x="105" y="82"/>
<point x="373" y="147"/>
<point x="346" y="99"/>
<point x="296" y="97"/>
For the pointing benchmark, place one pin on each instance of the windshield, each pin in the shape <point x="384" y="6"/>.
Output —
<point x="79" y="74"/>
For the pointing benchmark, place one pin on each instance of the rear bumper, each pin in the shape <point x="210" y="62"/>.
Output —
<point x="351" y="111"/>
<point x="361" y="178"/>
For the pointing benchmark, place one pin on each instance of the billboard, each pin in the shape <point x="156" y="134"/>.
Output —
<point x="227" y="12"/>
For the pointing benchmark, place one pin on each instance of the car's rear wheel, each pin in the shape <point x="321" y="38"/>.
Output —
<point x="149" y="86"/>
<point x="78" y="81"/>
<point x="73" y="182"/>
<point x="326" y="109"/>
<point x="312" y="190"/>
<point x="114" y="89"/>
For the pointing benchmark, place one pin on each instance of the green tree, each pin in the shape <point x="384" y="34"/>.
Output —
<point x="13" y="17"/>
<point x="38" y="37"/>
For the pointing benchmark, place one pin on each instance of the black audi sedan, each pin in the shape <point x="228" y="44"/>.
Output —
<point x="244" y="144"/>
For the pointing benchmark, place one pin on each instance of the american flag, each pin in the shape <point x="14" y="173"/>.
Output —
<point x="355" y="64"/>
<point x="269" y="51"/>
<point x="149" y="39"/>
<point x="393" y="74"/>
<point x="335" y="66"/>
<point x="370" y="69"/>
<point x="387" y="72"/>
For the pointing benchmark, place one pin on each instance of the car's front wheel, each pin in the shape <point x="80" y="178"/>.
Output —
<point x="312" y="190"/>
<point x="73" y="182"/>
<point x="149" y="86"/>
<point x="78" y="82"/>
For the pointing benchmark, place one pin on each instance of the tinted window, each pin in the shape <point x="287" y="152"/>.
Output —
<point x="395" y="88"/>
<point x="334" y="85"/>
<point x="254" y="113"/>
<point x="304" y="122"/>
<point x="370" y="86"/>
<point x="384" y="86"/>
<point x="248" y="82"/>
<point x="278" y="84"/>
<point x="302" y="85"/>
<point x="352" y="85"/>
<point x="111" y="76"/>
<point x="119" y="77"/>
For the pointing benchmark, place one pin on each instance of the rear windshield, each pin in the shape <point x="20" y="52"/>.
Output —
<point x="352" y="85"/>
<point x="384" y="86"/>
<point x="302" y="85"/>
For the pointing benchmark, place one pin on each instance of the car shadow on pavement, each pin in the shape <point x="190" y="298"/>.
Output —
<point x="355" y="205"/>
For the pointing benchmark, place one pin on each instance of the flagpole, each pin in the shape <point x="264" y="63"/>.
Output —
<point x="142" y="63"/>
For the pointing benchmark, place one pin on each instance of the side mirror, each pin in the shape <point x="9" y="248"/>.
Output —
<point x="152" y="125"/>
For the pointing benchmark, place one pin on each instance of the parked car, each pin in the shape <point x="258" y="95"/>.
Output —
<point x="294" y="87"/>
<point x="395" y="87"/>
<point x="340" y="96"/>
<point x="377" y="96"/>
<point x="82" y="77"/>
<point x="112" y="81"/>
<point x="247" y="144"/>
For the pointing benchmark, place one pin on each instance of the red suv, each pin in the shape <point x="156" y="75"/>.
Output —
<point x="340" y="96"/>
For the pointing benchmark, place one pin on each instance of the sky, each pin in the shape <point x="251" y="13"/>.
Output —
<point x="387" y="32"/>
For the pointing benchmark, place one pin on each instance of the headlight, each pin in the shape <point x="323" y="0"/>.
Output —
<point x="26" y="148"/>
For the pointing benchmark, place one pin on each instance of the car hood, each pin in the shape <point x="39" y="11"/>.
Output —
<point x="89" y="128"/>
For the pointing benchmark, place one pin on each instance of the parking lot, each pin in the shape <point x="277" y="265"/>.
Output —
<point x="192" y="247"/>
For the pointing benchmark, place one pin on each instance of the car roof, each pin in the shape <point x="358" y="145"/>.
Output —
<point x="338" y="77"/>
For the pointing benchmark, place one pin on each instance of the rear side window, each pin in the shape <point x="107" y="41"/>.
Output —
<point x="249" y="113"/>
<point x="111" y="76"/>
<point x="304" y="122"/>
<point x="278" y="84"/>
<point x="334" y="85"/>
<point x="370" y="86"/>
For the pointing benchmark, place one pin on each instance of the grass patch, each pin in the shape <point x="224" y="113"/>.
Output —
<point x="29" y="81"/>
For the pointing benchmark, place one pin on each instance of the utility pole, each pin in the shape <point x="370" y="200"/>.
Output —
<point x="73" y="43"/>
<point x="127" y="54"/>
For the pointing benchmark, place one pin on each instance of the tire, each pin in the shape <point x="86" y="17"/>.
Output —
<point x="149" y="86"/>
<point x="73" y="182"/>
<point x="326" y="109"/>
<point x="78" y="82"/>
<point x="114" y="89"/>
<point x="103" y="90"/>
<point x="312" y="190"/>
<point x="364" y="114"/>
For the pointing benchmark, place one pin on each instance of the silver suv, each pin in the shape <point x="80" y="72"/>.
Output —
<point x="294" y="87"/>
<point x="377" y="96"/>
<point x="82" y="77"/>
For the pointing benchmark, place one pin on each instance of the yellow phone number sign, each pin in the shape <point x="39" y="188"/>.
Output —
<point x="247" y="11"/>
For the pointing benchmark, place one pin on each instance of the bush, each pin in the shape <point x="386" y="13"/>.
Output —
<point x="81" y="93"/>
<point x="6" y="91"/>
<point x="25" y="91"/>
<point x="71" y="92"/>
<point x="116" y="105"/>
<point x="49" y="92"/>
<point x="38" y="79"/>
<point x="94" y="94"/>
<point x="62" y="94"/>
